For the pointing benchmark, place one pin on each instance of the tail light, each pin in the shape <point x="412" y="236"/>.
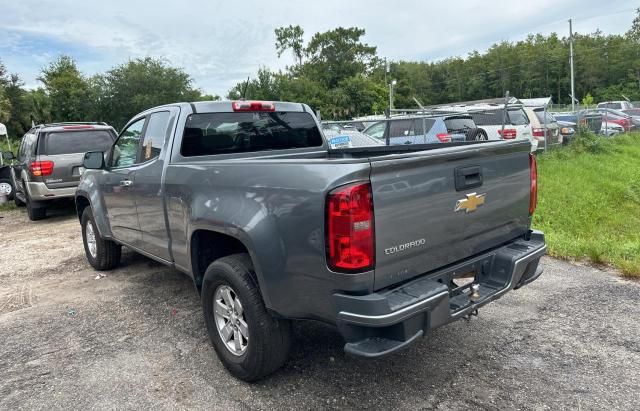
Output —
<point x="533" y="192"/>
<point x="349" y="230"/>
<point x="41" y="168"/>
<point x="253" y="106"/>
<point x="444" y="137"/>
<point x="538" y="133"/>
<point x="508" y="133"/>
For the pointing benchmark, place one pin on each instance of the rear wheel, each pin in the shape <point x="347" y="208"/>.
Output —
<point x="102" y="254"/>
<point x="249" y="342"/>
<point x="34" y="210"/>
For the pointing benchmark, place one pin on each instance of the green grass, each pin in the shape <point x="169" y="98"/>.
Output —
<point x="589" y="201"/>
<point x="8" y="206"/>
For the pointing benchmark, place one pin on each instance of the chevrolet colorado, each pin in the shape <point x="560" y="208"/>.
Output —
<point x="273" y="224"/>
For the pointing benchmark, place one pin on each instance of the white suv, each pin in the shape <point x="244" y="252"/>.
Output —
<point x="489" y="117"/>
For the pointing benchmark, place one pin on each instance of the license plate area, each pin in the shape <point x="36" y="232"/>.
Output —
<point x="460" y="281"/>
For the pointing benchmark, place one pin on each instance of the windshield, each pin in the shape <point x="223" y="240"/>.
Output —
<point x="67" y="142"/>
<point x="227" y="133"/>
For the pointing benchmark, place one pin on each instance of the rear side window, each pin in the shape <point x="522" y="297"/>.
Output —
<point x="227" y="133"/>
<point x="411" y="127"/>
<point x="540" y="114"/>
<point x="66" y="142"/>
<point x="615" y="106"/>
<point x="518" y="117"/>
<point x="459" y="123"/>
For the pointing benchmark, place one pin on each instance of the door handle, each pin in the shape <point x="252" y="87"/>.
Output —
<point x="126" y="183"/>
<point x="468" y="177"/>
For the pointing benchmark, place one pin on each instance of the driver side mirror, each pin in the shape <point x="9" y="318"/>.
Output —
<point x="93" y="160"/>
<point x="8" y="156"/>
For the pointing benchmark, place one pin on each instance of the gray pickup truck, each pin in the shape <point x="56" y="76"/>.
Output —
<point x="273" y="224"/>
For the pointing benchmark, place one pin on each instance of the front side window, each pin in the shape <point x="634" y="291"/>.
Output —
<point x="125" y="151"/>
<point x="154" y="135"/>
<point x="228" y="133"/>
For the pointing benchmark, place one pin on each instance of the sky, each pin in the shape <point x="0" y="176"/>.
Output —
<point x="220" y="43"/>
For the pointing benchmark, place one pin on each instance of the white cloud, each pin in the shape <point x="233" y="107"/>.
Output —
<point x="221" y="43"/>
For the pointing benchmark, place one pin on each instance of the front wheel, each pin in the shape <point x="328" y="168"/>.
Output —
<point x="249" y="342"/>
<point x="102" y="254"/>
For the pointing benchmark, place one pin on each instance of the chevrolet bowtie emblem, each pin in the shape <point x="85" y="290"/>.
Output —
<point x="471" y="203"/>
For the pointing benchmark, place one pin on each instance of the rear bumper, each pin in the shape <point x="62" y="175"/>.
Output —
<point x="384" y="322"/>
<point x="40" y="192"/>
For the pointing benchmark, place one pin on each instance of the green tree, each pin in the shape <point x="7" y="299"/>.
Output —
<point x="68" y="90"/>
<point x="138" y="85"/>
<point x="290" y="37"/>
<point x="5" y="103"/>
<point x="336" y="55"/>
<point x="634" y="31"/>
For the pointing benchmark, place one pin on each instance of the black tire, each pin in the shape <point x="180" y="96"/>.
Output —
<point x="269" y="339"/>
<point x="18" y="202"/>
<point x="35" y="212"/>
<point x="4" y="182"/>
<point x="108" y="253"/>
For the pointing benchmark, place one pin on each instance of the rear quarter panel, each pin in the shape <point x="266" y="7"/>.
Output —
<point x="276" y="209"/>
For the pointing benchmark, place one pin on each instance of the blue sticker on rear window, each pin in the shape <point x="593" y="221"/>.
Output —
<point x="340" y="142"/>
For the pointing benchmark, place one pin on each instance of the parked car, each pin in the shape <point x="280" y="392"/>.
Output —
<point x="615" y="105"/>
<point x="592" y="122"/>
<point x="490" y="118"/>
<point x="610" y="129"/>
<point x="567" y="129"/>
<point x="441" y="129"/>
<point x="246" y="198"/>
<point x="615" y="116"/>
<point x="48" y="165"/>
<point x="634" y="112"/>
<point x="354" y="138"/>
<point x="543" y="127"/>
<point x="6" y="184"/>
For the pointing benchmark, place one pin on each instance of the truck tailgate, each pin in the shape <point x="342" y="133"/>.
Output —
<point x="415" y="197"/>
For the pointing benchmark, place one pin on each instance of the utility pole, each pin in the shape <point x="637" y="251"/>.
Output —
<point x="573" y="89"/>
<point x="391" y="84"/>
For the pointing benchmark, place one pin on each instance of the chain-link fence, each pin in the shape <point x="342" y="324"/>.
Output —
<point x="545" y="124"/>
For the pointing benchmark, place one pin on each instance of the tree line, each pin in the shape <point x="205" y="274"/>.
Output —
<point x="340" y="75"/>
<point x="66" y="94"/>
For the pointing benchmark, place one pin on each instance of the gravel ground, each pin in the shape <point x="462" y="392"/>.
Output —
<point x="136" y="339"/>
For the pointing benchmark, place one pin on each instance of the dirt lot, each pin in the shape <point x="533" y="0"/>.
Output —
<point x="136" y="339"/>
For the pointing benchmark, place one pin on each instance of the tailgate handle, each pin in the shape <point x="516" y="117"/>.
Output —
<point x="468" y="177"/>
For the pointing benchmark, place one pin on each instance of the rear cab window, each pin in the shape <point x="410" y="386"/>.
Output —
<point x="243" y="132"/>
<point x="81" y="141"/>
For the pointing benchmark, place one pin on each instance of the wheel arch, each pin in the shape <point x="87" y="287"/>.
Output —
<point x="207" y="245"/>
